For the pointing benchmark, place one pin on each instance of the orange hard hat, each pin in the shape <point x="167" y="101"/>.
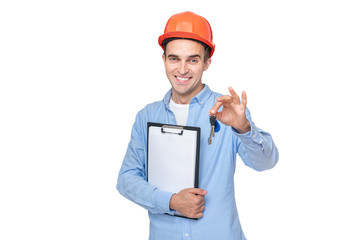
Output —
<point x="188" y="25"/>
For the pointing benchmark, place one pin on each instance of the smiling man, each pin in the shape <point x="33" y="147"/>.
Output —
<point x="188" y="48"/>
<point x="184" y="64"/>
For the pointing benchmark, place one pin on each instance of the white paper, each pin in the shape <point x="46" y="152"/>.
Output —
<point x="171" y="159"/>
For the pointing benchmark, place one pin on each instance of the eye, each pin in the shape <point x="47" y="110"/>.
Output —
<point x="173" y="59"/>
<point x="194" y="60"/>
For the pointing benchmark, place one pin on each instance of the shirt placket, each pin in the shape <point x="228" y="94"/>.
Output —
<point x="193" y="108"/>
<point x="172" y="119"/>
<point x="187" y="229"/>
<point x="192" y="112"/>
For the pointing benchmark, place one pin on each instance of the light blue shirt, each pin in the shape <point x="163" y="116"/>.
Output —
<point x="216" y="172"/>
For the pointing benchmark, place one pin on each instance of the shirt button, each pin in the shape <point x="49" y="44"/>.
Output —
<point x="186" y="235"/>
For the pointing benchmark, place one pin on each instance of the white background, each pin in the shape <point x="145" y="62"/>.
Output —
<point x="75" y="73"/>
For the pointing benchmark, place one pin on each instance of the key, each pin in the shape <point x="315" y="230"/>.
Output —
<point x="212" y="119"/>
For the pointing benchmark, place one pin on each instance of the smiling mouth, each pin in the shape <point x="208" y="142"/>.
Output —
<point x="182" y="79"/>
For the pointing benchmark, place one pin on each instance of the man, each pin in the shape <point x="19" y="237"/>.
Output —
<point x="188" y="47"/>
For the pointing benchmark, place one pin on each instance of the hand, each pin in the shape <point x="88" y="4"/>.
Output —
<point x="189" y="202"/>
<point x="233" y="112"/>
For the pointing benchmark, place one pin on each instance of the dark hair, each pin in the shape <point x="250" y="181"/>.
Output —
<point x="206" y="47"/>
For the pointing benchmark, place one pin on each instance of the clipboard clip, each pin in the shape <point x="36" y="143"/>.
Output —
<point x="174" y="129"/>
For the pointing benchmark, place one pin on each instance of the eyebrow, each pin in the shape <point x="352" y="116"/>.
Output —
<point x="172" y="55"/>
<point x="191" y="56"/>
<point x="195" y="56"/>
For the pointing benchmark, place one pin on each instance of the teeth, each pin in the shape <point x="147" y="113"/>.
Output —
<point x="182" y="79"/>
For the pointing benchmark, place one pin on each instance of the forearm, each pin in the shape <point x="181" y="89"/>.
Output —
<point x="136" y="188"/>
<point x="257" y="149"/>
<point x="132" y="182"/>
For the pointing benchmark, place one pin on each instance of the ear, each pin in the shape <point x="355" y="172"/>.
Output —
<point x="207" y="64"/>
<point x="163" y="58"/>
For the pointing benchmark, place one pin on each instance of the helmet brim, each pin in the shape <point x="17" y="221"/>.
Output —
<point x="186" y="35"/>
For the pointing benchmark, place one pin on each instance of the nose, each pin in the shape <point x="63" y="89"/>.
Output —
<point x="183" y="68"/>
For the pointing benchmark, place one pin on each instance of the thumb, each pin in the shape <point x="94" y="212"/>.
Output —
<point x="198" y="191"/>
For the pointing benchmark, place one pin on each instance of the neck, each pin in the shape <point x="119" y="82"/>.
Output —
<point x="184" y="99"/>
<point x="179" y="99"/>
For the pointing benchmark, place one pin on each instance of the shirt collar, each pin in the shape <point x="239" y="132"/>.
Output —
<point x="200" y="98"/>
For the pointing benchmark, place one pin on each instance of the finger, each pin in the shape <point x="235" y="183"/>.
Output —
<point x="200" y="209"/>
<point x="220" y="101"/>
<point x="215" y="108"/>
<point x="202" y="203"/>
<point x="243" y="98"/>
<point x="199" y="200"/>
<point x="197" y="213"/>
<point x="197" y="191"/>
<point x="235" y="96"/>
<point x="225" y="98"/>
<point x="218" y="115"/>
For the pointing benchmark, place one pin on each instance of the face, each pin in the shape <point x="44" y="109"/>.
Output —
<point x="184" y="65"/>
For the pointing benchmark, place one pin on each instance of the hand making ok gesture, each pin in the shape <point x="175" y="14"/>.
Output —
<point x="233" y="112"/>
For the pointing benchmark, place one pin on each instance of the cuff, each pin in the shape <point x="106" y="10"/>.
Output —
<point x="252" y="136"/>
<point x="162" y="202"/>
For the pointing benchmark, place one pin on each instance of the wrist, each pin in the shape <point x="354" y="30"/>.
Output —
<point x="172" y="202"/>
<point x="244" y="129"/>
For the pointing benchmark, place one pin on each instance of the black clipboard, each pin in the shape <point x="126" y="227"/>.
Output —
<point x="173" y="155"/>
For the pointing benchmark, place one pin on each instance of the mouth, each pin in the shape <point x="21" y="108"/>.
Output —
<point x="182" y="79"/>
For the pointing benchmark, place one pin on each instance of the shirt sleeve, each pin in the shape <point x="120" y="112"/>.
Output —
<point x="257" y="148"/>
<point x="132" y="182"/>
